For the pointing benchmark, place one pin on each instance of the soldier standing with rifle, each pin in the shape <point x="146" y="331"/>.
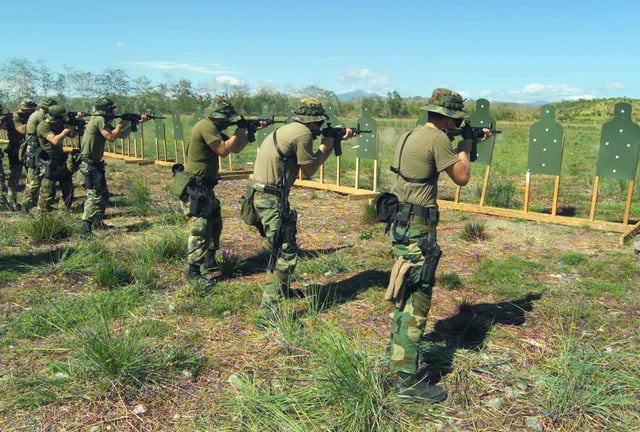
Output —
<point x="420" y="156"/>
<point x="98" y="131"/>
<point x="282" y="154"/>
<point x="4" y="203"/>
<point x="16" y="131"/>
<point x="31" y="153"/>
<point x="201" y="165"/>
<point x="51" y="134"/>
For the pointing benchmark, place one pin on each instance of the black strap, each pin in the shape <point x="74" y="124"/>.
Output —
<point x="397" y="170"/>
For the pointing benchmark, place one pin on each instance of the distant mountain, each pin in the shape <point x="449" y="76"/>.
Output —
<point x="355" y="95"/>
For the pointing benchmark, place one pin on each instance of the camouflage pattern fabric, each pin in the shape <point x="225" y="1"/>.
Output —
<point x="32" y="192"/>
<point x="58" y="174"/>
<point x="408" y="324"/>
<point x="4" y="203"/>
<point x="446" y="102"/>
<point x="95" y="203"/>
<point x="204" y="232"/>
<point x="15" y="173"/>
<point x="278" y="282"/>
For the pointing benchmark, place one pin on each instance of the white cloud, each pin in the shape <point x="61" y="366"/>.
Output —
<point x="228" y="80"/>
<point x="365" y="79"/>
<point x="203" y="68"/>
<point x="614" y="85"/>
<point x="551" y="92"/>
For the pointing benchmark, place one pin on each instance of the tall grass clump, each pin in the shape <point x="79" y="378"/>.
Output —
<point x="474" y="231"/>
<point x="500" y="193"/>
<point x="338" y="387"/>
<point x="112" y="274"/>
<point x="122" y="356"/>
<point x="47" y="228"/>
<point x="139" y="197"/>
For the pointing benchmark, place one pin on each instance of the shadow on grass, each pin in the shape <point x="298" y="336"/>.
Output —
<point x="258" y="263"/>
<point x="326" y="296"/>
<point x="24" y="263"/>
<point x="468" y="330"/>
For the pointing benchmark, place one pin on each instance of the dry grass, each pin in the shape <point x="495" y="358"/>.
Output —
<point x="495" y="340"/>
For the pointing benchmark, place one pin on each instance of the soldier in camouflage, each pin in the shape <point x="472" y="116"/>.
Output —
<point x="4" y="203"/>
<point x="51" y="134"/>
<point x="206" y="144"/>
<point x="282" y="154"/>
<point x="16" y="130"/>
<point x="420" y="156"/>
<point x="98" y="131"/>
<point x="31" y="151"/>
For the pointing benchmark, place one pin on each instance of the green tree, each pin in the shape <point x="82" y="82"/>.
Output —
<point x="396" y="105"/>
<point x="19" y="76"/>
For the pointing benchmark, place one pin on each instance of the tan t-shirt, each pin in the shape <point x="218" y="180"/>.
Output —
<point x="295" y="141"/>
<point x="426" y="153"/>
<point x="93" y="142"/>
<point x="201" y="160"/>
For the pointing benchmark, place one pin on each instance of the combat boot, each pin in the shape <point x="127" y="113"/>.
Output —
<point x="193" y="273"/>
<point x="412" y="387"/>
<point x="86" y="229"/>
<point x="210" y="263"/>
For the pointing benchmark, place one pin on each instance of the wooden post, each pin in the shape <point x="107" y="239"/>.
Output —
<point x="375" y="175"/>
<point x="594" y="198"/>
<point x="485" y="184"/>
<point x="357" y="182"/>
<point x="554" y="201"/>
<point x="142" y="140"/>
<point x="627" y="207"/>
<point x="338" y="171"/>
<point x="527" y="189"/>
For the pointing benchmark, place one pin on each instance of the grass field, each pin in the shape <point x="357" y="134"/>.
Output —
<point x="533" y="326"/>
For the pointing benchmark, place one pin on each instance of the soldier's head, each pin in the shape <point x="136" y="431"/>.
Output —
<point x="104" y="106"/>
<point x="310" y="110"/>
<point x="45" y="103"/>
<point x="56" y="114"/>
<point x="27" y="106"/>
<point x="221" y="110"/>
<point x="446" y="103"/>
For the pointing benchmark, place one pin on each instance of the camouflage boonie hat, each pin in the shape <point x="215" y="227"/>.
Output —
<point x="27" y="104"/>
<point x="221" y="109"/>
<point x="446" y="102"/>
<point x="56" y="112"/>
<point x="47" y="102"/>
<point x="310" y="110"/>
<point x="103" y="104"/>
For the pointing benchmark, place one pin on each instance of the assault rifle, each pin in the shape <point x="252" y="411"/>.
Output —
<point x="135" y="119"/>
<point x="337" y="133"/>
<point x="252" y="124"/>
<point x="470" y="132"/>
<point x="76" y="119"/>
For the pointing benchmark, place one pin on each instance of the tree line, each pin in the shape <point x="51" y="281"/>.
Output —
<point x="77" y="89"/>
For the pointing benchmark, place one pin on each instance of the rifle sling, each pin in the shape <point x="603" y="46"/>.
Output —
<point x="398" y="172"/>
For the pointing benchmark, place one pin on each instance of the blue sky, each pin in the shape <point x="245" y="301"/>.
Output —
<point x="519" y="51"/>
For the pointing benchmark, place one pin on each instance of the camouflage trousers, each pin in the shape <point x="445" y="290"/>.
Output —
<point x="15" y="174"/>
<point x="95" y="203"/>
<point x="408" y="323"/>
<point x="205" y="226"/>
<point x="32" y="191"/>
<point x="4" y="204"/>
<point x="278" y="281"/>
<point x="56" y="174"/>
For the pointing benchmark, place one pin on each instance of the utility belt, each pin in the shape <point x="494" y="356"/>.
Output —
<point x="268" y="189"/>
<point x="418" y="215"/>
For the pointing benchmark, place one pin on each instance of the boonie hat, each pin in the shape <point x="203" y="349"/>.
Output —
<point x="310" y="110"/>
<point x="446" y="102"/>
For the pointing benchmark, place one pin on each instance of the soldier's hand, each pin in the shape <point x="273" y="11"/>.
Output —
<point x="348" y="133"/>
<point x="143" y="118"/>
<point x="487" y="134"/>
